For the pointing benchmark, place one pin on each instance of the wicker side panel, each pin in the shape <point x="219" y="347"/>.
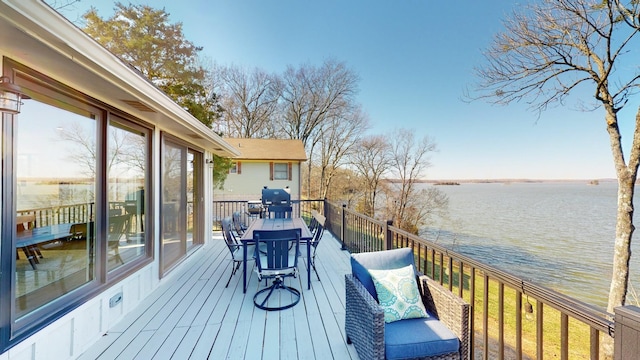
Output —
<point x="364" y="320"/>
<point x="452" y="310"/>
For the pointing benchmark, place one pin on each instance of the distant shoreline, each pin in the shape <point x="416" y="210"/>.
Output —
<point x="491" y="181"/>
<point x="500" y="181"/>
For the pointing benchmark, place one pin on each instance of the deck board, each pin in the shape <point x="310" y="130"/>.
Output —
<point x="193" y="316"/>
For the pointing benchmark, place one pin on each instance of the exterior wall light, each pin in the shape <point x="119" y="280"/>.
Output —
<point x="209" y="162"/>
<point x="10" y="96"/>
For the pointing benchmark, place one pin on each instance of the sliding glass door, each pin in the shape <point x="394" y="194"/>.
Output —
<point x="181" y="201"/>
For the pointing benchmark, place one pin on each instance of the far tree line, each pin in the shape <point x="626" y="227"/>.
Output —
<point x="318" y="105"/>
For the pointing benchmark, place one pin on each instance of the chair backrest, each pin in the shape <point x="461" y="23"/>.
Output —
<point x="279" y="249"/>
<point x="227" y="234"/>
<point x="379" y="260"/>
<point x="313" y="223"/>
<point x="319" y="229"/>
<point x="280" y="212"/>
<point x="79" y="231"/>
<point x="25" y="222"/>
<point x="237" y="222"/>
<point x="117" y="226"/>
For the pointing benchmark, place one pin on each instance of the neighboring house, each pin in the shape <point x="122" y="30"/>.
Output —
<point x="274" y="163"/>
<point x="106" y="186"/>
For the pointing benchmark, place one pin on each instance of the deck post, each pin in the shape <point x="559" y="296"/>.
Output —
<point x="343" y="224"/>
<point x="627" y="332"/>
<point x="388" y="235"/>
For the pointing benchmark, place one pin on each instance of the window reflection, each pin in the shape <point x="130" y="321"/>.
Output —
<point x="194" y="205"/>
<point x="191" y="196"/>
<point x="55" y="192"/>
<point x="127" y="164"/>
<point x="173" y="234"/>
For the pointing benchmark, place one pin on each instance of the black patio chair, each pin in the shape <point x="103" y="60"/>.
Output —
<point x="318" y="230"/>
<point x="279" y="260"/>
<point x="313" y="223"/>
<point x="235" y="248"/>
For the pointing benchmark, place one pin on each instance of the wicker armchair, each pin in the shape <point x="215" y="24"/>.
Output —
<point x="365" y="325"/>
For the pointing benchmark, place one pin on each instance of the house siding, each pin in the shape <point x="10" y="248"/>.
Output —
<point x="256" y="175"/>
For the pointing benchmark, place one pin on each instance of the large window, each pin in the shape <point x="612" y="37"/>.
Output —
<point x="75" y="176"/>
<point x="55" y="202"/>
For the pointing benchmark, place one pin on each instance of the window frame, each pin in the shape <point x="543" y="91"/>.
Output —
<point x="288" y="169"/>
<point x="165" y="269"/>
<point x="121" y="272"/>
<point x="236" y="168"/>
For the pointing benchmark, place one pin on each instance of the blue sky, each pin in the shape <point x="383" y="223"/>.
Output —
<point x="415" y="58"/>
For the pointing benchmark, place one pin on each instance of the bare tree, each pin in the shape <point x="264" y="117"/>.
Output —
<point x="337" y="140"/>
<point x="411" y="207"/>
<point x="310" y="95"/>
<point x="82" y="147"/>
<point x="250" y="101"/>
<point x="61" y="6"/>
<point x="126" y="151"/>
<point x="371" y="160"/>
<point x="551" y="48"/>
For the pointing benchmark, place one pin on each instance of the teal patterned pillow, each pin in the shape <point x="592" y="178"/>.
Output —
<point x="398" y="294"/>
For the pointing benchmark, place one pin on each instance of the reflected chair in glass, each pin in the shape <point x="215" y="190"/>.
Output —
<point x="279" y="260"/>
<point x="80" y="231"/>
<point x="235" y="248"/>
<point x="118" y="224"/>
<point x="24" y="223"/>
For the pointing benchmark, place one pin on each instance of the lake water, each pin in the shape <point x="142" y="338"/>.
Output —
<point x="557" y="234"/>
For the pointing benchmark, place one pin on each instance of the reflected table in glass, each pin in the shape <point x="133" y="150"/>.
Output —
<point x="27" y="240"/>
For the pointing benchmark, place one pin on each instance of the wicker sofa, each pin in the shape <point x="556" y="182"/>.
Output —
<point x="364" y="318"/>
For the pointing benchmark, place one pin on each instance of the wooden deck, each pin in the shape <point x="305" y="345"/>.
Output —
<point x="193" y="316"/>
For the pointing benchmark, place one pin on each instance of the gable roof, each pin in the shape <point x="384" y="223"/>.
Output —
<point x="268" y="149"/>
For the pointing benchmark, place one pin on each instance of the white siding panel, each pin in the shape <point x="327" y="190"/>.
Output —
<point x="58" y="342"/>
<point x="255" y="175"/>
<point x="88" y="326"/>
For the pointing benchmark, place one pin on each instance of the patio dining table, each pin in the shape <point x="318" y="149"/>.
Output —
<point x="276" y="224"/>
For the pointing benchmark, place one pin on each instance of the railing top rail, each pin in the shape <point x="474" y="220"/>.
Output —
<point x="358" y="215"/>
